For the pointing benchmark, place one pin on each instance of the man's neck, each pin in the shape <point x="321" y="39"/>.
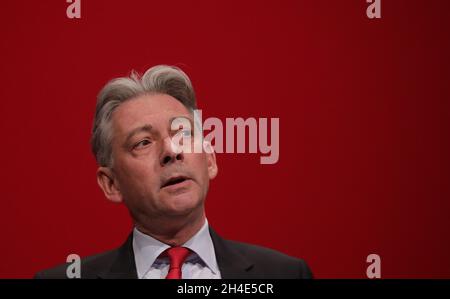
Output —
<point x="173" y="232"/>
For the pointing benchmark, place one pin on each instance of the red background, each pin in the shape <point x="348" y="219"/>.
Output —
<point x="364" y="126"/>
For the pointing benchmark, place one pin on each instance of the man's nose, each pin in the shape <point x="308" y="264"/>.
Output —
<point x="170" y="152"/>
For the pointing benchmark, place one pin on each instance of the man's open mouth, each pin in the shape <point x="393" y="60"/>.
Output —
<point x="174" y="181"/>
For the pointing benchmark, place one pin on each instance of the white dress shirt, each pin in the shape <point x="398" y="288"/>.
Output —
<point x="201" y="262"/>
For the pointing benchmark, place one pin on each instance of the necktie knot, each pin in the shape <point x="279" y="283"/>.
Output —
<point x="177" y="256"/>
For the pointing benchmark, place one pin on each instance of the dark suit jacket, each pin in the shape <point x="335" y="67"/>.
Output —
<point x="235" y="260"/>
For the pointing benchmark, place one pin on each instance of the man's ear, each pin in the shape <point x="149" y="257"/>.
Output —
<point x="211" y="160"/>
<point x="107" y="182"/>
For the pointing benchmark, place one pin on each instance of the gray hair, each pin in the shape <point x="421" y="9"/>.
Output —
<point x="162" y="79"/>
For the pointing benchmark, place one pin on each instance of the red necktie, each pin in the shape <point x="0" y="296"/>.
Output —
<point x="177" y="255"/>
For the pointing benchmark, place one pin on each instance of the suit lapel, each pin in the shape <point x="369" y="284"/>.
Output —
<point x="231" y="263"/>
<point x="124" y="266"/>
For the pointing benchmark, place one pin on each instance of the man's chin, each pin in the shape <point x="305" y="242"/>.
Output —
<point x="180" y="205"/>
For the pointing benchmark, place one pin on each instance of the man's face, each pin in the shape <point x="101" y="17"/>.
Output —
<point x="150" y="178"/>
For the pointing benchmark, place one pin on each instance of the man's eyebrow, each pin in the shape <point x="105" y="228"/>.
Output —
<point x="145" y="128"/>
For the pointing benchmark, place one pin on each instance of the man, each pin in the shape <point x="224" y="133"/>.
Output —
<point x="164" y="189"/>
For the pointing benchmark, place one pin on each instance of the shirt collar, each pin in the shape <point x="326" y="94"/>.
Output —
<point x="202" y="244"/>
<point x="147" y="249"/>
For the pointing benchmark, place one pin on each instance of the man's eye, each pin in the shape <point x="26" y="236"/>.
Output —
<point x="142" y="143"/>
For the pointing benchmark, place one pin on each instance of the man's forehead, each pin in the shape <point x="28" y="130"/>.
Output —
<point x="152" y="104"/>
<point x="153" y="110"/>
